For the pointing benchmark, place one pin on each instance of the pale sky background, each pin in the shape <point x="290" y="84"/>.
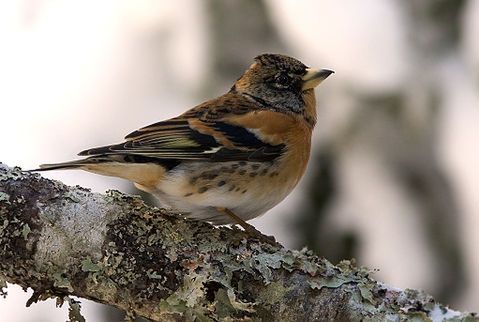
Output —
<point x="79" y="74"/>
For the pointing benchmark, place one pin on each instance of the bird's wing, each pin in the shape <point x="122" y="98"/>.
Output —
<point x="219" y="130"/>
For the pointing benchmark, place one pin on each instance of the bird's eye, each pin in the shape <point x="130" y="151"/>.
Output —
<point x="282" y="80"/>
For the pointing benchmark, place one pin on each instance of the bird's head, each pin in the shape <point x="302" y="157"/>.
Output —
<point x="280" y="81"/>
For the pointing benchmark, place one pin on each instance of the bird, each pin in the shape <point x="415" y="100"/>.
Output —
<point x="229" y="159"/>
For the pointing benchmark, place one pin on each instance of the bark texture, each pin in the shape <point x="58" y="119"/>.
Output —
<point x="113" y="249"/>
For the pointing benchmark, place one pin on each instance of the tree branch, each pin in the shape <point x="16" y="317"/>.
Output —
<point x="114" y="249"/>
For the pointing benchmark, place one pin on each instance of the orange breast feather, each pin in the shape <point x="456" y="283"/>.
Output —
<point x="279" y="128"/>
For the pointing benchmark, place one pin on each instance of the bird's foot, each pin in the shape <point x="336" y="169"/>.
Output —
<point x="249" y="229"/>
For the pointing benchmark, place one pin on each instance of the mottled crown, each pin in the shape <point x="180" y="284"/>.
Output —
<point x="275" y="81"/>
<point x="282" y="62"/>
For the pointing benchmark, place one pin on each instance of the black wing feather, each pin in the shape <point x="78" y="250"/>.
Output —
<point x="175" y="139"/>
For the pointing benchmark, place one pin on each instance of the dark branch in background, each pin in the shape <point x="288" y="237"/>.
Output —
<point x="405" y="144"/>
<point x="112" y="249"/>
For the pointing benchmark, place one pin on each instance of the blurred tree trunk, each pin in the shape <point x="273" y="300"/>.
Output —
<point x="239" y="31"/>
<point x="400" y="131"/>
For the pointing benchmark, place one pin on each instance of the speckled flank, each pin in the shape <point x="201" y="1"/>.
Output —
<point x="222" y="175"/>
<point x="203" y="187"/>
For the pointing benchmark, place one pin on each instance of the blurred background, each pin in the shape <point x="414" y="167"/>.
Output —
<point x="394" y="178"/>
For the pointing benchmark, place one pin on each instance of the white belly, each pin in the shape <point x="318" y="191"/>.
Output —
<point x="248" y="190"/>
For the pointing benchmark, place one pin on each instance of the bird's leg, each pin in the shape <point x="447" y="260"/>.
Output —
<point x="249" y="229"/>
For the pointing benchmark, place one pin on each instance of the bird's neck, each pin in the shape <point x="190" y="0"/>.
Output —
<point x="308" y="96"/>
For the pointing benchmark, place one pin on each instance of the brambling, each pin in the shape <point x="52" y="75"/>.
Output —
<point x="227" y="160"/>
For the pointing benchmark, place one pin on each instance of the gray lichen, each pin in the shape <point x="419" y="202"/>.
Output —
<point x="114" y="249"/>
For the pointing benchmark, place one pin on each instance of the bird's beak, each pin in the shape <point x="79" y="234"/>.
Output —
<point x="314" y="77"/>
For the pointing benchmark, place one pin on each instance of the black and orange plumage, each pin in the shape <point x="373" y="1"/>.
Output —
<point x="229" y="159"/>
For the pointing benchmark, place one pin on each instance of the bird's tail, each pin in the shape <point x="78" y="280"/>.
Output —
<point x="76" y="164"/>
<point x="88" y="164"/>
<point x="142" y="171"/>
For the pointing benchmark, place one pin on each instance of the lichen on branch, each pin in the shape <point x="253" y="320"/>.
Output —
<point x="113" y="249"/>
